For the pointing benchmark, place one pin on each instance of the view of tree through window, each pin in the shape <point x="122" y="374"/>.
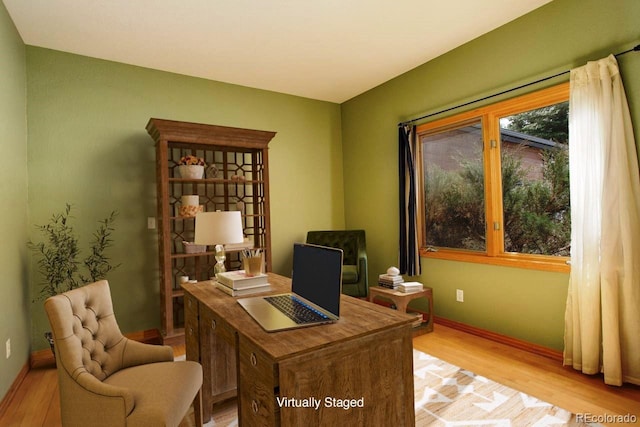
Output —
<point x="535" y="181"/>
<point x="495" y="181"/>
<point x="454" y="187"/>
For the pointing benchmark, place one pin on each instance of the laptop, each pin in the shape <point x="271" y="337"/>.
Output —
<point x="316" y="286"/>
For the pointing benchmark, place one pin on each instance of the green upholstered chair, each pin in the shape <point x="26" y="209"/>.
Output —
<point x="109" y="380"/>
<point x="355" y="280"/>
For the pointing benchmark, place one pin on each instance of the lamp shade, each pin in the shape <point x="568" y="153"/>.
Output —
<point x="218" y="228"/>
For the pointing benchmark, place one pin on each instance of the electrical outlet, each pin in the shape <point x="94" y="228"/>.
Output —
<point x="151" y="223"/>
<point x="459" y="295"/>
<point x="8" y="347"/>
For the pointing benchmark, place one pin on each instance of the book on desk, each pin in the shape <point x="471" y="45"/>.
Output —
<point x="238" y="279"/>
<point x="237" y="283"/>
<point x="254" y="289"/>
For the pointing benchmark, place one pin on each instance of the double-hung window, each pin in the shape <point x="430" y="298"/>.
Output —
<point x="495" y="183"/>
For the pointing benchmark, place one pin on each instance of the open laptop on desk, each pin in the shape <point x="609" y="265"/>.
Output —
<point x="316" y="286"/>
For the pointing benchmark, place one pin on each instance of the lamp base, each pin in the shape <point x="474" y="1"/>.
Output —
<point x="219" y="268"/>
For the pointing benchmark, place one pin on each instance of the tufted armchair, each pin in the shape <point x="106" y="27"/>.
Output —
<point x="355" y="280"/>
<point x="106" y="379"/>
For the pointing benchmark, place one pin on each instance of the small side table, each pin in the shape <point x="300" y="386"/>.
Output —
<point x="402" y="299"/>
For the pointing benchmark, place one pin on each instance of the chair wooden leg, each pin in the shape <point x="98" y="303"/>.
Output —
<point x="197" y="409"/>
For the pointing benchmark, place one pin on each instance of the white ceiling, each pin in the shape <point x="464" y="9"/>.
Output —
<point x="328" y="50"/>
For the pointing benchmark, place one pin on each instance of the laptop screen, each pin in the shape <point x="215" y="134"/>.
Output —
<point x="317" y="275"/>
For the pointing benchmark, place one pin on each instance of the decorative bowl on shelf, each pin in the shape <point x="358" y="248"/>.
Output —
<point x="192" y="248"/>
<point x="191" y="171"/>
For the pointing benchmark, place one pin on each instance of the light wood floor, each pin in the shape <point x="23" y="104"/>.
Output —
<point x="535" y="375"/>
<point x="37" y="400"/>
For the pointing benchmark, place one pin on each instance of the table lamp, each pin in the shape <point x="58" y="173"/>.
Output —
<point x="218" y="228"/>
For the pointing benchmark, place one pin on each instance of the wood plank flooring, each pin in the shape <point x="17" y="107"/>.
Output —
<point x="536" y="375"/>
<point x="36" y="402"/>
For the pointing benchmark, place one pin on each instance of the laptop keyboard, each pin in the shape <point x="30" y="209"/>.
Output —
<point x="295" y="309"/>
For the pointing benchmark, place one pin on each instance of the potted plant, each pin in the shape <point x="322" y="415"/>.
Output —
<point x="191" y="167"/>
<point x="58" y="256"/>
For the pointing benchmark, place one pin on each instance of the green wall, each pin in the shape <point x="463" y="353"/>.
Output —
<point x="563" y="34"/>
<point x="14" y="312"/>
<point x="88" y="146"/>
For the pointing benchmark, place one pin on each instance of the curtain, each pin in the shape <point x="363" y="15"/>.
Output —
<point x="602" y="319"/>
<point x="409" y="250"/>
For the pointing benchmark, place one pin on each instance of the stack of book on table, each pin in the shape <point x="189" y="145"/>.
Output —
<point x="237" y="283"/>
<point x="390" y="281"/>
<point x="410" y="287"/>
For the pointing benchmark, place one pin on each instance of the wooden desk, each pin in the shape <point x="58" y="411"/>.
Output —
<point x="366" y="356"/>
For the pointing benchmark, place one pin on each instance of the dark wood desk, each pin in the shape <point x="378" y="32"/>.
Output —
<point x="365" y="356"/>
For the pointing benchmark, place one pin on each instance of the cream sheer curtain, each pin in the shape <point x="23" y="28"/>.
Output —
<point x="602" y="320"/>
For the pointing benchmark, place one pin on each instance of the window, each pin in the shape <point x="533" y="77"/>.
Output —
<point x="495" y="183"/>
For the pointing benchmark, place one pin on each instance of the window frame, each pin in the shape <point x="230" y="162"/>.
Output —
<point x="490" y="116"/>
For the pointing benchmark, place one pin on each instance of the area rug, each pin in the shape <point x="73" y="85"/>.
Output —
<point x="448" y="396"/>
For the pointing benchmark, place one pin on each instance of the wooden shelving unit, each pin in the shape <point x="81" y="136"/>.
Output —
<point x="236" y="178"/>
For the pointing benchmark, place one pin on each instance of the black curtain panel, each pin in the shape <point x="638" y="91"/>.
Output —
<point x="409" y="255"/>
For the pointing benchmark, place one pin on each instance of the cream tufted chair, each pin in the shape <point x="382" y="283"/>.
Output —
<point x="108" y="380"/>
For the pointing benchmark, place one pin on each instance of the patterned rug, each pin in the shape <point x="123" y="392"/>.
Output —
<point x="448" y="396"/>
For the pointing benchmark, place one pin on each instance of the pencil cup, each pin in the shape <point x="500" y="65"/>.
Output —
<point x="252" y="265"/>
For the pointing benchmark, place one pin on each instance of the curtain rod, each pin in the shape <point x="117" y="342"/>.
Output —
<point x="633" y="49"/>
